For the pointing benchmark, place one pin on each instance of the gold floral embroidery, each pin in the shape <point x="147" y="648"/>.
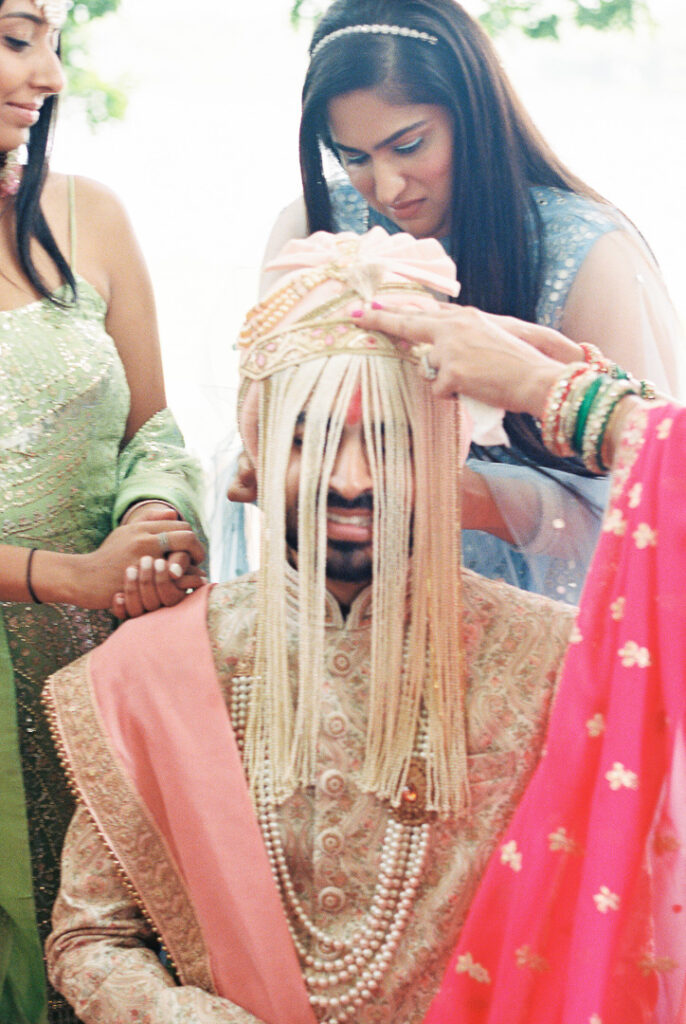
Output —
<point x="138" y="850"/>
<point x="635" y="495"/>
<point x="633" y="655"/>
<point x="534" y="961"/>
<point x="509" y="854"/>
<point x="561" y="840"/>
<point x="633" y="439"/>
<point x="594" y="1019"/>
<point x="657" y="964"/>
<point x="575" y="637"/>
<point x="467" y="965"/>
<point x="617" y="609"/>
<point x="606" y="900"/>
<point x="664" y="428"/>
<point x="596" y="725"/>
<point x="665" y="842"/>
<point x="620" y="777"/>
<point x="615" y="523"/>
<point x="644" y="536"/>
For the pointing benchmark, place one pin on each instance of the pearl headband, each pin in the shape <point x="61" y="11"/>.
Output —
<point x="375" y="30"/>
<point x="54" y="11"/>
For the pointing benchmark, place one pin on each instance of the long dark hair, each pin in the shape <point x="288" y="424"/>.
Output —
<point x="30" y="221"/>
<point x="498" y="154"/>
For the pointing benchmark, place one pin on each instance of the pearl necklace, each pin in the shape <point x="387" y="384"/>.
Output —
<point x="348" y="972"/>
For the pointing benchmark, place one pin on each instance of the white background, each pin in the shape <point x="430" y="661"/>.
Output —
<point x="207" y="155"/>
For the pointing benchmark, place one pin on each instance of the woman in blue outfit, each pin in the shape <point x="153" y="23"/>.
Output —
<point x="409" y="121"/>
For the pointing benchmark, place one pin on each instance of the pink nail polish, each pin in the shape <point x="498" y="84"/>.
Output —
<point x="376" y="305"/>
<point x="357" y="312"/>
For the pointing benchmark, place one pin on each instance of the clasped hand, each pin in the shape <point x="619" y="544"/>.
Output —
<point x="152" y="561"/>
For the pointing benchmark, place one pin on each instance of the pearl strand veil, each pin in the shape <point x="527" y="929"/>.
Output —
<point x="415" y="640"/>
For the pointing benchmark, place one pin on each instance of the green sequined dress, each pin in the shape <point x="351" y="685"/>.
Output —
<point x="64" y="482"/>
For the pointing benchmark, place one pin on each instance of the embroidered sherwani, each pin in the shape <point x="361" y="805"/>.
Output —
<point x="100" y="952"/>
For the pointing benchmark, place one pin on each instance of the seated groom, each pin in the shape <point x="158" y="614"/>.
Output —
<point x="294" y="784"/>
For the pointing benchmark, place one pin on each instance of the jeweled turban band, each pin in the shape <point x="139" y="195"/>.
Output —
<point x="374" y="30"/>
<point x="340" y="271"/>
<point x="308" y="313"/>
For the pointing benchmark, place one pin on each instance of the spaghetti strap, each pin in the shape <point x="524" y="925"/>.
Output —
<point x="72" y="223"/>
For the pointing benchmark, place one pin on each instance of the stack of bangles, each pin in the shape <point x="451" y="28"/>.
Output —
<point x="580" y="404"/>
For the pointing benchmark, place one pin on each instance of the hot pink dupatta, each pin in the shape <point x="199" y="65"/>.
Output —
<point x="581" y="915"/>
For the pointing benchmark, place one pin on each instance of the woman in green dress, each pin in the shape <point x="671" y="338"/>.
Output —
<point x="97" y="497"/>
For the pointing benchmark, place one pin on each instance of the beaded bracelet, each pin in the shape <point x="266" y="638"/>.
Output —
<point x="584" y="413"/>
<point x="571" y="409"/>
<point x="595" y="359"/>
<point x="607" y="398"/>
<point x="578" y="409"/>
<point x="554" y="406"/>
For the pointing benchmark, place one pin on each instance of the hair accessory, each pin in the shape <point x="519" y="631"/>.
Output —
<point x="29" y="584"/>
<point x="54" y="11"/>
<point x="9" y="175"/>
<point x="374" y="30"/>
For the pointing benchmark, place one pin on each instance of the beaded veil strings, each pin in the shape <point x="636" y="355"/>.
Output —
<point x="415" y="496"/>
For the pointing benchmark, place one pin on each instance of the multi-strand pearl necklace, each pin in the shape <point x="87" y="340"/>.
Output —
<point x="348" y="972"/>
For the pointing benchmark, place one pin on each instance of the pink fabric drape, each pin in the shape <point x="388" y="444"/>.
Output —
<point x="156" y="691"/>
<point x="581" y="915"/>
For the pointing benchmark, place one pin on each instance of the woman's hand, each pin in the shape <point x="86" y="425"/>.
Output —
<point x="155" y="583"/>
<point x="158" y="582"/>
<point x="499" y="360"/>
<point x="102" y="573"/>
<point x="155" y="511"/>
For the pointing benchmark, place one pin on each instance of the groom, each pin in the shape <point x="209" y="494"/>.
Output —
<point x="294" y="784"/>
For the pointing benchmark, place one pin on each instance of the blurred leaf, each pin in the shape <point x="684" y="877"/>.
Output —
<point x="532" y="17"/>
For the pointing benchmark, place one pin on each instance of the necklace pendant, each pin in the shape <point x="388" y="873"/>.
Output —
<point x="412" y="809"/>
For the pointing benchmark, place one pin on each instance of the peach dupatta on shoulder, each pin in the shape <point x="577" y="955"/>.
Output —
<point x="142" y="724"/>
<point x="581" y="915"/>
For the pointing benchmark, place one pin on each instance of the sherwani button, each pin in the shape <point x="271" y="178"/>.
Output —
<point x="335" y="725"/>
<point x="332" y="782"/>
<point x="331" y="841"/>
<point x="331" y="899"/>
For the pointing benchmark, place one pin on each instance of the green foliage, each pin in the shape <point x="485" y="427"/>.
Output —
<point x="535" y="19"/>
<point x="532" y="17"/>
<point x="102" y="100"/>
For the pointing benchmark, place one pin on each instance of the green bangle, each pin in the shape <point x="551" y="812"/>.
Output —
<point x="584" y="410"/>
<point x="602" y="427"/>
